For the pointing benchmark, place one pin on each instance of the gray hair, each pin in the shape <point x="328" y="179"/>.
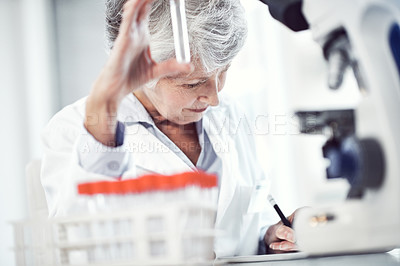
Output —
<point x="217" y="30"/>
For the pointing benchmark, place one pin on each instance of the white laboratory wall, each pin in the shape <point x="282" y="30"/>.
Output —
<point x="13" y="127"/>
<point x="26" y="102"/>
<point x="50" y="53"/>
<point x="80" y="46"/>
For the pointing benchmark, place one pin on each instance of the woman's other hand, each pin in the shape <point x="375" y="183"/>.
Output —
<point x="280" y="238"/>
<point x="129" y="67"/>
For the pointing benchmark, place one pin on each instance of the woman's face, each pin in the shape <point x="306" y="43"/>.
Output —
<point x="183" y="99"/>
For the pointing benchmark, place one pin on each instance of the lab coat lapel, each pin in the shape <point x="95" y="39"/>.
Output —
<point x="150" y="154"/>
<point x="215" y="124"/>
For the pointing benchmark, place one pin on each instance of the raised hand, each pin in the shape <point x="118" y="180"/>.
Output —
<point x="130" y="66"/>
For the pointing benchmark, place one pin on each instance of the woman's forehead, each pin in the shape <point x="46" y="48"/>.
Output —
<point x="199" y="73"/>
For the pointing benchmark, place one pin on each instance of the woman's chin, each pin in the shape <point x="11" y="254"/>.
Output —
<point x="188" y="120"/>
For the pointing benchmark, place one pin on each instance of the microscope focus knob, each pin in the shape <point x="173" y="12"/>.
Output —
<point x="361" y="162"/>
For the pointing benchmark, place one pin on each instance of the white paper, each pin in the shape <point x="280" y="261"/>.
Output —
<point x="261" y="258"/>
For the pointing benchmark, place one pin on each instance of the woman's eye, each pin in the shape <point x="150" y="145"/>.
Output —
<point x="191" y="86"/>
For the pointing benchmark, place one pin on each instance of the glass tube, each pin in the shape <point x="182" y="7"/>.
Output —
<point x="179" y="27"/>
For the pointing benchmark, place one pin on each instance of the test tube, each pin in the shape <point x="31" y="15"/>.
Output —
<point x="179" y="27"/>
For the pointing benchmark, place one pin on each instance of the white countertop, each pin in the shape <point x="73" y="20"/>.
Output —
<point x="379" y="259"/>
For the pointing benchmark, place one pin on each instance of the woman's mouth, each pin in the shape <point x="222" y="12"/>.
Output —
<point x="198" y="110"/>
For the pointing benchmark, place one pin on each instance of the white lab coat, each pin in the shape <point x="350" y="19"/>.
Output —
<point x="238" y="223"/>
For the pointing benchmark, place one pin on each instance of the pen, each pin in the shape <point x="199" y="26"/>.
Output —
<point x="284" y="220"/>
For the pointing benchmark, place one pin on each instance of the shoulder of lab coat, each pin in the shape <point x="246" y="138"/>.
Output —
<point x="64" y="139"/>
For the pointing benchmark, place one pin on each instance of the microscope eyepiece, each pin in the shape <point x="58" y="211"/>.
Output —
<point x="288" y="12"/>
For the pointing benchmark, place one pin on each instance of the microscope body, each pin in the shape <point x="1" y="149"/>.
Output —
<point x="362" y="144"/>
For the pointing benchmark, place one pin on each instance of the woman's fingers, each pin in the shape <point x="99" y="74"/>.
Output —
<point x="148" y="57"/>
<point x="131" y="58"/>
<point x="133" y="35"/>
<point x="283" y="246"/>
<point x="144" y="10"/>
<point x="285" y="233"/>
<point x="131" y="11"/>
<point x="287" y="239"/>
<point x="292" y="216"/>
<point x="280" y="238"/>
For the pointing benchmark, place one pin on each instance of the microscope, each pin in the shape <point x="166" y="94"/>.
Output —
<point x="362" y="144"/>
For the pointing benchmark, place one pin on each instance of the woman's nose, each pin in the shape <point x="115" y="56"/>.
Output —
<point x="209" y="94"/>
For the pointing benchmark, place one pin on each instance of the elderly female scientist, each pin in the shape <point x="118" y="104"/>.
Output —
<point x="147" y="113"/>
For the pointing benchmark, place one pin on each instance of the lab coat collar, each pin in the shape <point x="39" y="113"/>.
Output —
<point x="132" y="111"/>
<point x="147" y="149"/>
<point x="215" y="125"/>
<point x="136" y="119"/>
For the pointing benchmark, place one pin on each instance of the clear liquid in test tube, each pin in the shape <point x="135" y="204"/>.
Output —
<point x="179" y="27"/>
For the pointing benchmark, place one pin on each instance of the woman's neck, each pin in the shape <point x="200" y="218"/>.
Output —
<point x="161" y="122"/>
<point x="149" y="106"/>
<point x="184" y="136"/>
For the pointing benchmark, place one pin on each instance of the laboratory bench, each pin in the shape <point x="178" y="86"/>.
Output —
<point x="379" y="259"/>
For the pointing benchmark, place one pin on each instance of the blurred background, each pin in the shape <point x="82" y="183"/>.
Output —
<point x="51" y="51"/>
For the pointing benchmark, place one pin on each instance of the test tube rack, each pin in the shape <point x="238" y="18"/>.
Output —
<point x="175" y="233"/>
